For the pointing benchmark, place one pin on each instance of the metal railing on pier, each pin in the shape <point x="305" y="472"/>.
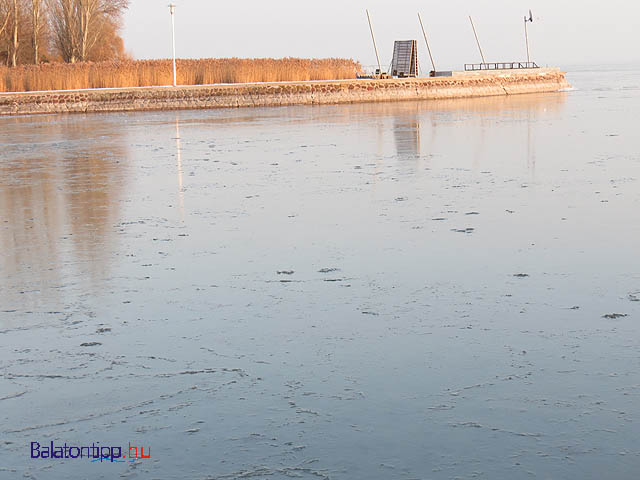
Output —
<point x="472" y="67"/>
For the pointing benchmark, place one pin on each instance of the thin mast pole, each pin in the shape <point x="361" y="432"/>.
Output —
<point x="477" y="41"/>
<point x="173" y="41"/>
<point x="526" y="36"/>
<point x="427" y="42"/>
<point x="374" y="43"/>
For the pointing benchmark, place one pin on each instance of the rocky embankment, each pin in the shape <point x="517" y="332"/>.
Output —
<point x="460" y="85"/>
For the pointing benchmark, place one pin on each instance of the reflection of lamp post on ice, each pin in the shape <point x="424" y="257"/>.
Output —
<point x="173" y="40"/>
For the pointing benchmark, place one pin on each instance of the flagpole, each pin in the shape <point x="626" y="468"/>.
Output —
<point x="477" y="41"/>
<point x="427" y="42"/>
<point x="375" y="47"/>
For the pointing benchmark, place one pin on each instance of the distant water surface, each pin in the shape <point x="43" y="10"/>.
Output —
<point x="420" y="290"/>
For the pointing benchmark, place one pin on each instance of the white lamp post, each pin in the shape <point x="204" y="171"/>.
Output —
<point x="173" y="40"/>
<point x="526" y="35"/>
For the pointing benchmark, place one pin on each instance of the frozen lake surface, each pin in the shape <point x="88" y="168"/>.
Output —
<point x="435" y="290"/>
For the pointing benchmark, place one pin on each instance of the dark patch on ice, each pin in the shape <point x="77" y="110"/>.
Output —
<point x="441" y="407"/>
<point x="613" y="316"/>
<point x="328" y="270"/>
<point x="466" y="424"/>
<point x="286" y="272"/>
<point x="90" y="344"/>
<point x="521" y="275"/>
<point x="366" y="312"/>
<point x="472" y="213"/>
<point x="463" y="230"/>
<point x="187" y="372"/>
<point x="307" y="410"/>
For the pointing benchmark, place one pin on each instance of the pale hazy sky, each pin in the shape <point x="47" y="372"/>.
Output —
<point x="563" y="33"/>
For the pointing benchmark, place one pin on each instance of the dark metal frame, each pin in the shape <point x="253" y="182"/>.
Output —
<point x="405" y="50"/>
<point x="472" y="67"/>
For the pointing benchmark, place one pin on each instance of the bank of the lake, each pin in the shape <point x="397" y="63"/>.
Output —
<point x="460" y="85"/>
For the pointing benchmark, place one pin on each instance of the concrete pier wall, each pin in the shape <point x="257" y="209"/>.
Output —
<point x="460" y="85"/>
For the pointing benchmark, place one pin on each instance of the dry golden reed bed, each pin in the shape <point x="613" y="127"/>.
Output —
<point x="144" y="73"/>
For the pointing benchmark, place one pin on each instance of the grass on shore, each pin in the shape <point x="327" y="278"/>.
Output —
<point x="144" y="73"/>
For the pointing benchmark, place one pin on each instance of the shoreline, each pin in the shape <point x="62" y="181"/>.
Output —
<point x="246" y="95"/>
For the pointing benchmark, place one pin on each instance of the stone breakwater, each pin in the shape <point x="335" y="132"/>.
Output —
<point x="460" y="85"/>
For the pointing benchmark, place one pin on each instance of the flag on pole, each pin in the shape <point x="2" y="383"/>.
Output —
<point x="530" y="18"/>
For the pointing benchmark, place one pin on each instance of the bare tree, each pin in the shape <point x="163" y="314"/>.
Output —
<point x="36" y="21"/>
<point x="6" y="21"/>
<point x="78" y="30"/>
<point x="80" y="26"/>
<point x="5" y="16"/>
<point x="63" y="24"/>
<point x="10" y="29"/>
<point x="14" y="36"/>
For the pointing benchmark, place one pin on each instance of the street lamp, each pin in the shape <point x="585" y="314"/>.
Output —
<point x="526" y="34"/>
<point x="173" y="40"/>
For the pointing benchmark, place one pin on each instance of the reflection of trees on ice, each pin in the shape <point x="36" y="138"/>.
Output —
<point x="60" y="208"/>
